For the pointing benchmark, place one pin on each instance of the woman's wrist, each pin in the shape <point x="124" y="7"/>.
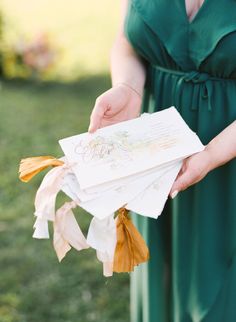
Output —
<point x="138" y="92"/>
<point x="217" y="156"/>
<point x="222" y="148"/>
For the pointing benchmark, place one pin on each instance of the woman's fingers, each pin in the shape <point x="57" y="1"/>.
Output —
<point x="183" y="181"/>
<point x="115" y="105"/>
<point x="194" y="169"/>
<point x="97" y="115"/>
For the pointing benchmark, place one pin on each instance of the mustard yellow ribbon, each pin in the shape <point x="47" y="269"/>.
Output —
<point x="131" y="249"/>
<point x="29" y="167"/>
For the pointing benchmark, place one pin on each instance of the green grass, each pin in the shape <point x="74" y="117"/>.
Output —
<point x="34" y="287"/>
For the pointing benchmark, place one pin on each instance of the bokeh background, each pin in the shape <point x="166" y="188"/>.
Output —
<point x="54" y="62"/>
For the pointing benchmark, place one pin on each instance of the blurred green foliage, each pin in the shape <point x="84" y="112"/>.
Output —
<point x="1" y="44"/>
<point x="33" y="58"/>
<point x="81" y="32"/>
<point x="29" y="59"/>
<point x="34" y="287"/>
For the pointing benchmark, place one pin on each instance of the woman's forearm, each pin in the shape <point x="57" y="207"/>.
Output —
<point x="126" y="66"/>
<point x="223" y="147"/>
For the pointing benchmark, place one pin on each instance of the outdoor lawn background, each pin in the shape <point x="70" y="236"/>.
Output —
<point x="34" y="115"/>
<point x="82" y="29"/>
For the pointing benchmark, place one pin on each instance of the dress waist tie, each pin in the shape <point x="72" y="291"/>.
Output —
<point x="202" y="82"/>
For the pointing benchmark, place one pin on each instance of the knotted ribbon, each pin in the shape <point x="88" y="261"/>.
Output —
<point x="102" y="237"/>
<point x="29" y="167"/>
<point x="45" y="199"/>
<point x="67" y="232"/>
<point x="119" y="245"/>
<point x="131" y="249"/>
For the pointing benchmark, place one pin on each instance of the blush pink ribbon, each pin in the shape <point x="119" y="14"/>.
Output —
<point x="46" y="198"/>
<point x="67" y="232"/>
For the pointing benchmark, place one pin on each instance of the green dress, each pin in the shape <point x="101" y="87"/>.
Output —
<point x="191" y="275"/>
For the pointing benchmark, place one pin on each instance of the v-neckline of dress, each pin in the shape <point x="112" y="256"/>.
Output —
<point x="195" y="17"/>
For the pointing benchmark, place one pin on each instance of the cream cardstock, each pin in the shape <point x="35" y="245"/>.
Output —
<point x="130" y="147"/>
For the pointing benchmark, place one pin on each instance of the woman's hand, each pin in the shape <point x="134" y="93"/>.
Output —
<point x="220" y="150"/>
<point x="120" y="103"/>
<point x="194" y="169"/>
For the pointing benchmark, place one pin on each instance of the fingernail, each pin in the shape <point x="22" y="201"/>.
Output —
<point x="174" y="194"/>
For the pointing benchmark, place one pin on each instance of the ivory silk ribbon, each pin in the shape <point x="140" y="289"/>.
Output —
<point x="46" y="198"/>
<point x="102" y="237"/>
<point x="67" y="232"/>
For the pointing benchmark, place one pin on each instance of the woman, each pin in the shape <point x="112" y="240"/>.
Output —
<point x="182" y="53"/>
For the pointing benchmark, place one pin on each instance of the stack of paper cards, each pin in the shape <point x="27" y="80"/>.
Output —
<point x="131" y="165"/>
